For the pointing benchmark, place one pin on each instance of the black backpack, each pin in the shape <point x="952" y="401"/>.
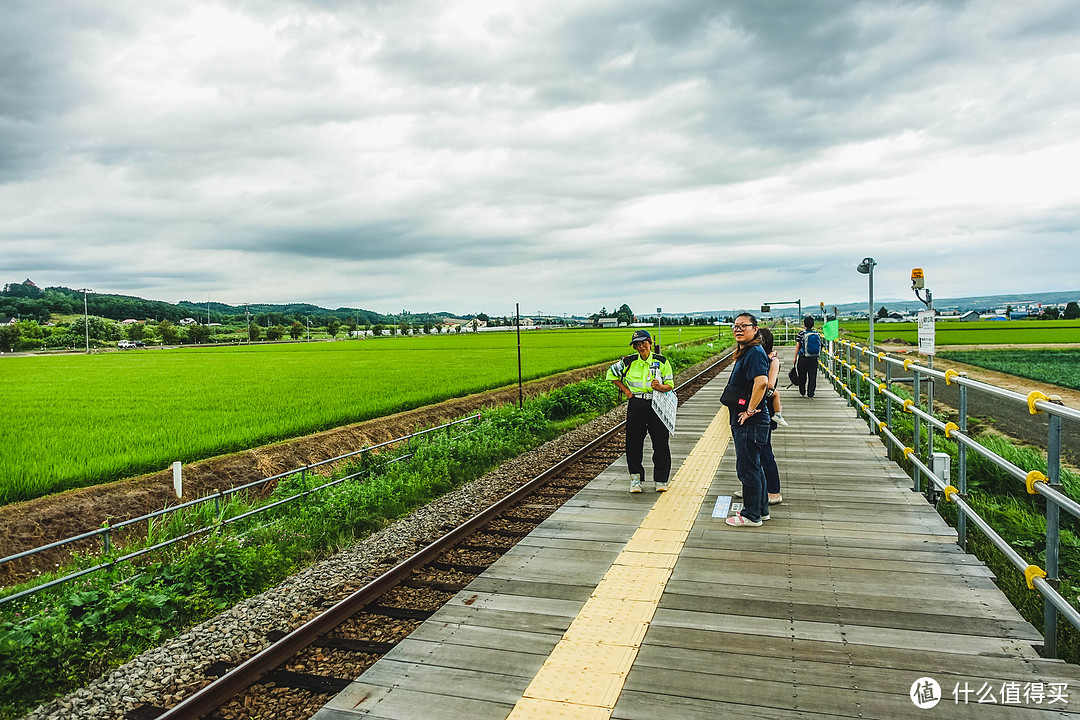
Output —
<point x="628" y="360"/>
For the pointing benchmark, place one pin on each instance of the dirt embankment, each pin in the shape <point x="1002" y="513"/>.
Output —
<point x="39" y="522"/>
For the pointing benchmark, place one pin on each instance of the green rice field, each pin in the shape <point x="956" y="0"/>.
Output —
<point x="77" y="420"/>
<point x="982" y="332"/>
<point x="1056" y="367"/>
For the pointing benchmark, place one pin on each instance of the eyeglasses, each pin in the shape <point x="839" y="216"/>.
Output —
<point x="738" y="328"/>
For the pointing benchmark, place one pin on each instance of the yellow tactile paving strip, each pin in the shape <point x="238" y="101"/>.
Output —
<point x="584" y="674"/>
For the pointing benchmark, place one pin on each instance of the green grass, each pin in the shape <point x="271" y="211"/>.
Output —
<point x="55" y="642"/>
<point x="77" y="420"/>
<point x="1056" y="367"/>
<point x="983" y="332"/>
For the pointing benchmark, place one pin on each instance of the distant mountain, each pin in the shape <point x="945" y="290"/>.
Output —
<point x="961" y="304"/>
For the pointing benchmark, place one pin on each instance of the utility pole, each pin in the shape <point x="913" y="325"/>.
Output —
<point x="517" y="316"/>
<point x="86" y="318"/>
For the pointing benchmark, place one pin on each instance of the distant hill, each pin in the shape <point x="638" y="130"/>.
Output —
<point x="962" y="304"/>
<point x="29" y="301"/>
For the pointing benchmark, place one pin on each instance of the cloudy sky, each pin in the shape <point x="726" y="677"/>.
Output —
<point x="464" y="156"/>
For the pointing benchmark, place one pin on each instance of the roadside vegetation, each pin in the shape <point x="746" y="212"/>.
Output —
<point x="77" y="420"/>
<point x="1055" y="367"/>
<point x="60" y="639"/>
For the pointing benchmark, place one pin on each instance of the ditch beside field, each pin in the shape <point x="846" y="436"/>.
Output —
<point x="38" y="522"/>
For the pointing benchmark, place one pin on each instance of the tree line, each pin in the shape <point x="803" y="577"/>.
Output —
<point x="27" y="301"/>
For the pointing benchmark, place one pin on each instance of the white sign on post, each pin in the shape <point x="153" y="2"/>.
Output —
<point x="177" y="479"/>
<point x="926" y="332"/>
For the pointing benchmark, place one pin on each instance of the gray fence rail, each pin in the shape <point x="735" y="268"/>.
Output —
<point x="105" y="532"/>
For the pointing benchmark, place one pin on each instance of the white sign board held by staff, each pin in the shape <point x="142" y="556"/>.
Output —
<point x="665" y="405"/>
<point x="926" y="332"/>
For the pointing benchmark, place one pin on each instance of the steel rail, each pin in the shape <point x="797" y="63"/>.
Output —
<point x="213" y="696"/>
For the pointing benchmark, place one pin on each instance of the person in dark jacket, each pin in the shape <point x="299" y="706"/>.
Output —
<point x="806" y="357"/>
<point x="749" y="420"/>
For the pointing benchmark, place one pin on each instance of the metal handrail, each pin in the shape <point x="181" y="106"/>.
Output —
<point x="1040" y="488"/>
<point x="1043" y="581"/>
<point x="215" y="497"/>
<point x="1031" y="399"/>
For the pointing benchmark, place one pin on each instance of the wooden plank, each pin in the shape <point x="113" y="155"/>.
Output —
<point x="838" y="632"/>
<point x="794" y="608"/>
<point x="375" y="702"/>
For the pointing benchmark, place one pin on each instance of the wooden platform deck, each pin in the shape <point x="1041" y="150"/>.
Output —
<point x="647" y="606"/>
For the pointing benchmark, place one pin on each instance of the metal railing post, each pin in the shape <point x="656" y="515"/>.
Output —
<point x="961" y="470"/>
<point x="218" y="510"/>
<point x="872" y="370"/>
<point x="917" y="431"/>
<point x="847" y="371"/>
<point x="1053" y="476"/>
<point x="888" y="407"/>
<point x="930" y="411"/>
<point x="858" y="373"/>
<point x="105" y="538"/>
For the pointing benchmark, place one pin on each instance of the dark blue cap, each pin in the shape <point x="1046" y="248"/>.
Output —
<point x="640" y="335"/>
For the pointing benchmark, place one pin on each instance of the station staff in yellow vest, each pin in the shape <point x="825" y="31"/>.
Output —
<point x="638" y="377"/>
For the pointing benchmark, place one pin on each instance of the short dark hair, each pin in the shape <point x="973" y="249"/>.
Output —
<point x="753" y="320"/>
<point x="808" y="321"/>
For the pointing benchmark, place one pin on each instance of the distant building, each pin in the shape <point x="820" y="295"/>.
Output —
<point x="969" y="316"/>
<point x="189" y="321"/>
<point x="606" y="322"/>
<point x="4" y="320"/>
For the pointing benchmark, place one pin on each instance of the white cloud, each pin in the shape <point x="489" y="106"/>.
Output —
<point x="464" y="155"/>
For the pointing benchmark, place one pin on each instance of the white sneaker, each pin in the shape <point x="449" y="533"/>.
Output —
<point x="635" y="483"/>
<point x="661" y="487"/>
<point x="780" y="420"/>
<point x="737" y="494"/>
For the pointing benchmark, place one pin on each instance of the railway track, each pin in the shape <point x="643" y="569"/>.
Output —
<point x="298" y="672"/>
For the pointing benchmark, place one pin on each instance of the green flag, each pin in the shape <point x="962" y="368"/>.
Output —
<point x="831" y="329"/>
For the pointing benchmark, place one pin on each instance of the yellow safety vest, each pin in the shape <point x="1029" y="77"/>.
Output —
<point x="638" y="374"/>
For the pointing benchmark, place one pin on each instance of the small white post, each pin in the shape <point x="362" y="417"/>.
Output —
<point x="177" y="479"/>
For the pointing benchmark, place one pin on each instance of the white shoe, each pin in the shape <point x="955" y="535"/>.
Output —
<point x="737" y="520"/>
<point x="635" y="483"/>
<point x="661" y="487"/>
<point x="780" y="420"/>
<point x="737" y="494"/>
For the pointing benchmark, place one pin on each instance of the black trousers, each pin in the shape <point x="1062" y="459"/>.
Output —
<point x="807" y="375"/>
<point x="641" y="420"/>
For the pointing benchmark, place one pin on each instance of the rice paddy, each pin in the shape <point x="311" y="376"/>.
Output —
<point x="77" y="420"/>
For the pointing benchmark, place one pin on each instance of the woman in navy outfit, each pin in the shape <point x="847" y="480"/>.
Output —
<point x="750" y="421"/>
